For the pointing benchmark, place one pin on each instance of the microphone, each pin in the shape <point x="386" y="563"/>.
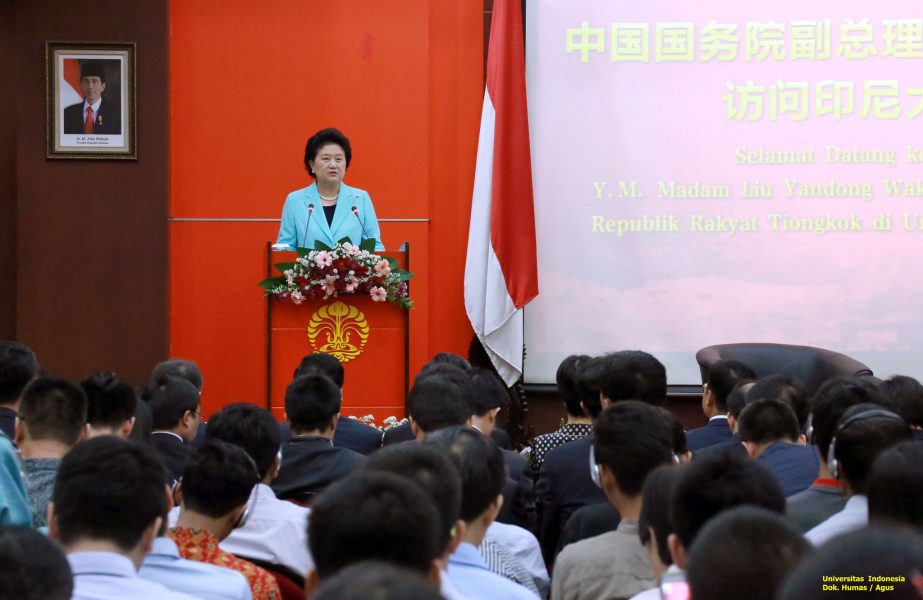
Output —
<point x="308" y="224"/>
<point x="361" y="223"/>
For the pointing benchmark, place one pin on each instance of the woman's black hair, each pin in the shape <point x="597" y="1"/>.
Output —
<point x="321" y="139"/>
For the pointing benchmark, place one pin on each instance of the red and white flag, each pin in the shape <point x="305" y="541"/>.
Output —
<point x="501" y="275"/>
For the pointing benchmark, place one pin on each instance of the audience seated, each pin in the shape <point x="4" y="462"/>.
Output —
<point x="108" y="505"/>
<point x="655" y="525"/>
<point x="18" y="366"/>
<point x="907" y="393"/>
<point x="862" y="433"/>
<point x="52" y="418"/>
<point x="213" y="496"/>
<point x="894" y="555"/>
<point x="175" y="416"/>
<point x="141" y="430"/>
<point x="376" y="580"/>
<point x="722" y="377"/>
<point x="375" y="516"/>
<point x="188" y="370"/>
<point x="895" y="488"/>
<point x="736" y="402"/>
<point x="111" y="405"/>
<point x="34" y="567"/>
<point x="769" y="431"/>
<point x="310" y="461"/>
<point x="631" y="439"/>
<point x="276" y="530"/>
<point x="14" y="504"/>
<point x="745" y="552"/>
<point x="785" y="389"/>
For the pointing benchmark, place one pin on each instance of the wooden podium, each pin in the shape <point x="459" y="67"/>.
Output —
<point x="371" y="339"/>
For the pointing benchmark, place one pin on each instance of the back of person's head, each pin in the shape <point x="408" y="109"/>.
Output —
<point x="896" y="554"/>
<point x="634" y="375"/>
<point x="723" y="376"/>
<point x="170" y="399"/>
<point x="321" y="363"/>
<point x="768" y="420"/>
<point x="110" y="400"/>
<point x="448" y="358"/>
<point x="480" y="464"/>
<point x="785" y="389"/>
<point x="376" y="580"/>
<point x="895" y="486"/>
<point x="34" y="567"/>
<point x="53" y="409"/>
<point x="428" y="467"/>
<point x="141" y="430"/>
<point x="714" y="483"/>
<point x="566" y="379"/>
<point x="737" y="399"/>
<point x="178" y="367"/>
<point x="907" y="393"/>
<point x="373" y="516"/>
<point x="311" y="403"/>
<point x="18" y="366"/>
<point x="218" y="479"/>
<point x="655" y="510"/>
<point x="631" y="439"/>
<point x="589" y="383"/>
<point x="487" y="392"/>
<point x="440" y="398"/>
<point x="745" y="552"/>
<point x="108" y="488"/>
<point x="678" y="432"/>
<point x="252" y="428"/>
<point x="863" y="432"/>
<point x="832" y="399"/>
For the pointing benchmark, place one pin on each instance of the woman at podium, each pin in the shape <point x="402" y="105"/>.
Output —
<point x="327" y="210"/>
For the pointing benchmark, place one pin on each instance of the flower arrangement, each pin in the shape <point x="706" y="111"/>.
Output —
<point x="389" y="423"/>
<point x="345" y="269"/>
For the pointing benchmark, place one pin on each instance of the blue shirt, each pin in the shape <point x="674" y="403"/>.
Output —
<point x="111" y="576"/>
<point x="14" y="507"/>
<point x="208" y="582"/>
<point x="469" y="575"/>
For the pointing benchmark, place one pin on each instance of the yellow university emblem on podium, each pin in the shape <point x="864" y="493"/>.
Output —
<point x="338" y="329"/>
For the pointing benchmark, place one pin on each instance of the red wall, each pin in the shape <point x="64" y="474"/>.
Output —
<point x="249" y="82"/>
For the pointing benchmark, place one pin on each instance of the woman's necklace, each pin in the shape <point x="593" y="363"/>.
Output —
<point x="330" y="199"/>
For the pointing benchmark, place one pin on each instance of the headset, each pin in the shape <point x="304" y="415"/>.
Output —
<point x="866" y="415"/>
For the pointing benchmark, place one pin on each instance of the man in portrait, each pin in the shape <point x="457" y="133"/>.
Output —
<point x="95" y="115"/>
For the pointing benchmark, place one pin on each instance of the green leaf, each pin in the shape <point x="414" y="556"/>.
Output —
<point x="368" y="244"/>
<point x="403" y="275"/>
<point x="342" y="241"/>
<point x="282" y="267"/>
<point x="393" y="263"/>
<point x="319" y="245"/>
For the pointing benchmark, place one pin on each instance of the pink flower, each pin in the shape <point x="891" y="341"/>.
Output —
<point x="351" y="284"/>
<point x="297" y="297"/>
<point x="323" y="259"/>
<point x="352" y="250"/>
<point x="378" y="294"/>
<point x="330" y="285"/>
<point x="382" y="268"/>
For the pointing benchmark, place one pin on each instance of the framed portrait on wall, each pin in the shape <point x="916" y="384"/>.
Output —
<point x="90" y="90"/>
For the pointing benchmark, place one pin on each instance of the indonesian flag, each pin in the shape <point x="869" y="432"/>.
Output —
<point x="70" y="87"/>
<point x="500" y="271"/>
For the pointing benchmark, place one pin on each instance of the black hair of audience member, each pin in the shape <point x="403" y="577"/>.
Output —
<point x="717" y="482"/>
<point x="320" y="363"/>
<point x="745" y="552"/>
<point x="786" y="389"/>
<point x="250" y="427"/>
<point x="170" y="399"/>
<point x="441" y="398"/>
<point x="631" y="439"/>
<point x="566" y="379"/>
<point x="737" y="399"/>
<point x="589" y="383"/>
<point x="655" y="510"/>
<point x="18" y="366"/>
<point x="53" y="409"/>
<point x="178" y="367"/>
<point x="833" y="398"/>
<point x="678" y="433"/>
<point x="218" y="478"/>
<point x="480" y="465"/>
<point x="374" y="516"/>
<point x="723" y="376"/>
<point x="487" y="392"/>
<point x="907" y="393"/>
<point x="895" y="486"/>
<point x="108" y="489"/>
<point x="34" y="567"/>
<point x="768" y="420"/>
<point x="110" y="401"/>
<point x="880" y="551"/>
<point x="431" y="469"/>
<point x="144" y="420"/>
<point x="449" y="358"/>
<point x="634" y="375"/>
<point x="860" y="443"/>
<point x="311" y="403"/>
<point x="376" y="580"/>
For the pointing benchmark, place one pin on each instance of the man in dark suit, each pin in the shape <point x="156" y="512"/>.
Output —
<point x="722" y="377"/>
<point x="175" y="416"/>
<point x="310" y="461"/>
<point x="93" y="116"/>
